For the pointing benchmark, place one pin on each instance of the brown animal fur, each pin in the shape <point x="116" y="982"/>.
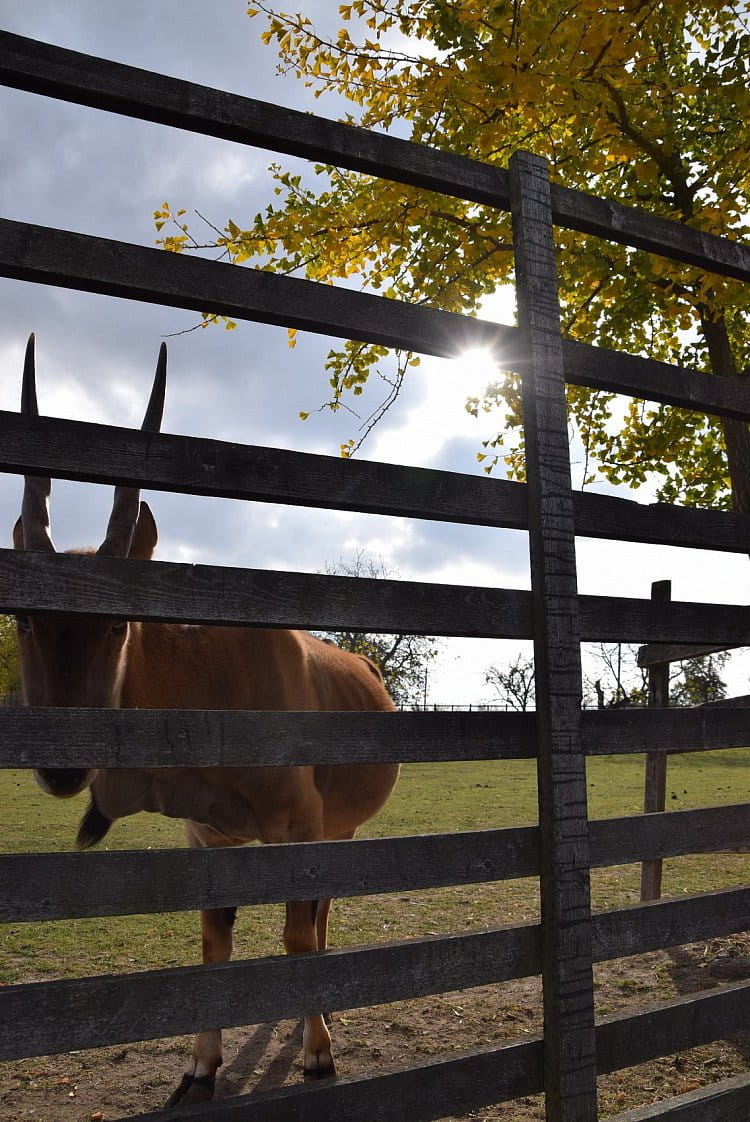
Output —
<point x="91" y="661"/>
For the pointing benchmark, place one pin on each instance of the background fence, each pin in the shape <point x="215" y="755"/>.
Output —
<point x="46" y="1017"/>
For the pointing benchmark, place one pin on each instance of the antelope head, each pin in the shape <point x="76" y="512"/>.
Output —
<point x="70" y="660"/>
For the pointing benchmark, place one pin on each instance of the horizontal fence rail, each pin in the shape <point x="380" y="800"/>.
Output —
<point x="106" y="454"/>
<point x="45" y="1017"/>
<point x="50" y="886"/>
<point x="158" y="738"/>
<point x="725" y="1101"/>
<point x="40" y="737"/>
<point x="483" y="1076"/>
<point x="59" y="257"/>
<point x="69" y="75"/>
<point x="157" y="590"/>
<point x="42" y="1018"/>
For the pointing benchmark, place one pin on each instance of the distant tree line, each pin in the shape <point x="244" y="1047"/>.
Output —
<point x="619" y="682"/>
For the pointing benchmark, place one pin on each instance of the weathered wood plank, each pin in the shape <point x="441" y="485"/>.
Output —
<point x="159" y="461"/>
<point x="52" y="737"/>
<point x="157" y="590"/>
<point x="578" y="210"/>
<point x="644" y="377"/>
<point x="714" y="829"/>
<point x="70" y="75"/>
<point x="47" y="886"/>
<point x="59" y="257"/>
<point x="725" y="1101"/>
<point x="453" y="1084"/>
<point x="192" y="465"/>
<point x="670" y="923"/>
<point x="672" y="1026"/>
<point x="737" y="703"/>
<point x="48" y="737"/>
<point x="661" y="654"/>
<point x="42" y="1018"/>
<point x="659" y="523"/>
<point x="71" y="885"/>
<point x="664" y="730"/>
<point x="569" y="1049"/>
<point x="470" y="1081"/>
<point x="655" y="779"/>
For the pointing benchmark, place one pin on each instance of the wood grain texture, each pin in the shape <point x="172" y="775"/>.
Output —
<point x="56" y="72"/>
<point x="664" y="730"/>
<point x="672" y="1026"/>
<point x="47" y="886"/>
<point x="569" y="1048"/>
<point x="725" y="1101"/>
<point x="655" y="779"/>
<point x="714" y="829"/>
<point x="71" y="885"/>
<point x="419" y="1093"/>
<point x="472" y="1080"/>
<point x="58" y="257"/>
<point x="661" y="654"/>
<point x="41" y="1018"/>
<point x="670" y="923"/>
<point x="47" y="583"/>
<point x="160" y="461"/>
<point x="107" y="738"/>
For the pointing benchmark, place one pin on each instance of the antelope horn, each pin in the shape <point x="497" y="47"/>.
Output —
<point x="35" y="503"/>
<point x="126" y="505"/>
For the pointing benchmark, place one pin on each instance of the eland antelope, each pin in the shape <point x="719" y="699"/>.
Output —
<point x="68" y="660"/>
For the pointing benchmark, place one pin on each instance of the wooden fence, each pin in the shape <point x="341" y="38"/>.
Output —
<point x="46" y="1017"/>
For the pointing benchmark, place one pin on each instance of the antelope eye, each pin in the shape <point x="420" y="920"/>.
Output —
<point x="23" y="624"/>
<point x="118" y="628"/>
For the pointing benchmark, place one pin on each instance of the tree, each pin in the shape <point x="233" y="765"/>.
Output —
<point x="640" y="101"/>
<point x="700" y="680"/>
<point x="513" y="684"/>
<point x="622" y="683"/>
<point x="10" y="670"/>
<point x="403" y="660"/>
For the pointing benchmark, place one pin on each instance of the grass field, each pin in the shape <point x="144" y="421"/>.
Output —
<point x="429" y="798"/>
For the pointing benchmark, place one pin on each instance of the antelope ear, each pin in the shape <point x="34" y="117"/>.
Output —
<point x="18" y="535"/>
<point x="145" y="535"/>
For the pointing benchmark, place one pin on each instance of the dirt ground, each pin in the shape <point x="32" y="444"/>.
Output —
<point x="118" y="1082"/>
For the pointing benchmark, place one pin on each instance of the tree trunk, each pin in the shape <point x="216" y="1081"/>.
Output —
<point x="736" y="433"/>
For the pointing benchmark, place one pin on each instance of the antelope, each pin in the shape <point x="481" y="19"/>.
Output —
<point x="68" y="660"/>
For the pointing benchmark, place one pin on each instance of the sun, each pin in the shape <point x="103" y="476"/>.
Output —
<point x="473" y="370"/>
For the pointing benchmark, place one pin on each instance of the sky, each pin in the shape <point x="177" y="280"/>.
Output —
<point x="83" y="170"/>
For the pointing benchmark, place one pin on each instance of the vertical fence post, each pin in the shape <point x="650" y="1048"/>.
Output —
<point x="570" y="1057"/>
<point x="655" y="787"/>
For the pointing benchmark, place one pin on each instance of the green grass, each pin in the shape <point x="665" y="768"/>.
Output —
<point x="429" y="798"/>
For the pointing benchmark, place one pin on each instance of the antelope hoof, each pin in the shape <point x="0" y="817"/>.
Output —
<point x="319" y="1065"/>
<point x="192" y="1089"/>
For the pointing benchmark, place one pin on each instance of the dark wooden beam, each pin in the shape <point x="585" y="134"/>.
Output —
<point x="48" y="584"/>
<point x="655" y="779"/>
<point x="59" y="257"/>
<point x="53" y="71"/>
<point x="725" y="1101"/>
<point x="662" y="654"/>
<point x="192" y="465"/>
<point x="564" y="857"/>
